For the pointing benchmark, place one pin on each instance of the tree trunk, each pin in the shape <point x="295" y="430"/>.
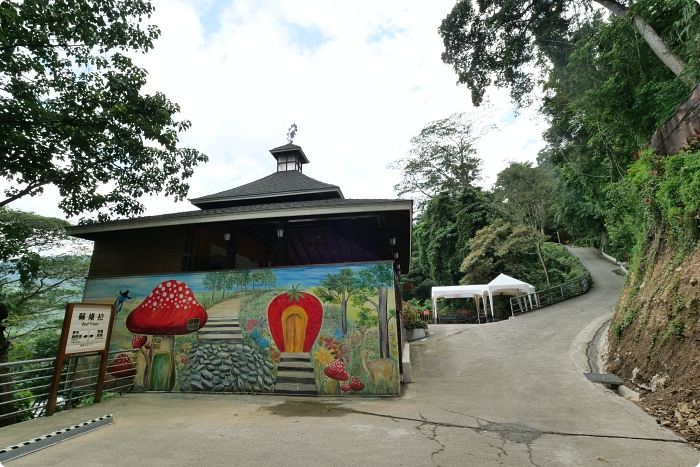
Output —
<point x="544" y="266"/>
<point x="383" y="321"/>
<point x="651" y="37"/>
<point x="5" y="374"/>
<point x="344" y="313"/>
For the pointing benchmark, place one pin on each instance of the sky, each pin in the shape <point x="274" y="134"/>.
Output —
<point x="358" y="78"/>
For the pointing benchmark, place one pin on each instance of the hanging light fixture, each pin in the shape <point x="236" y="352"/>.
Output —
<point x="280" y="232"/>
<point x="227" y="237"/>
<point x="392" y="241"/>
<point x="396" y="255"/>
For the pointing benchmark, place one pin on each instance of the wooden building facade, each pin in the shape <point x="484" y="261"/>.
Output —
<point x="286" y="223"/>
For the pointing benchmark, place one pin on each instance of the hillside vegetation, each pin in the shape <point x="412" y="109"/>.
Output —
<point x="655" y="332"/>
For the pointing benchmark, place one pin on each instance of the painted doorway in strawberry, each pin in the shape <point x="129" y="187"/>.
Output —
<point x="294" y="321"/>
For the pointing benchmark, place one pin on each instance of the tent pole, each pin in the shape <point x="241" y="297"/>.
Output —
<point x="435" y="310"/>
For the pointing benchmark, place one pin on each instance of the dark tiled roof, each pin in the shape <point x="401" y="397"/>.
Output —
<point x="278" y="184"/>
<point x="202" y="213"/>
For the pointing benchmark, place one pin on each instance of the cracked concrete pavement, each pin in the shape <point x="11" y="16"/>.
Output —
<point x="510" y="393"/>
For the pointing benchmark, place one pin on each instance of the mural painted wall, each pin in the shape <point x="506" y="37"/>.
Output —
<point x="327" y="330"/>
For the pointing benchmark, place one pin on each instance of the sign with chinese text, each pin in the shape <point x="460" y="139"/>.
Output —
<point x="88" y="328"/>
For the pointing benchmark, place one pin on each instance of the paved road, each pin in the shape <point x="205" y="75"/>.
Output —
<point x="509" y="393"/>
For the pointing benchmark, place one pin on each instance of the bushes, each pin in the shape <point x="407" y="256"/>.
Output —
<point x="659" y="193"/>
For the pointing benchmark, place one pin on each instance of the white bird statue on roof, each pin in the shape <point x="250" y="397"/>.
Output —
<point x="291" y="133"/>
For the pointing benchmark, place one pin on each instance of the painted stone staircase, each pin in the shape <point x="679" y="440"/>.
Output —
<point x="295" y="375"/>
<point x="224" y="330"/>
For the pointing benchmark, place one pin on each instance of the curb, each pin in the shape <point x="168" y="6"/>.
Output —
<point x="27" y="447"/>
<point x="578" y="352"/>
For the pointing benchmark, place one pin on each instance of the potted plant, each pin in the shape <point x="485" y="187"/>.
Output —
<point x="414" y="328"/>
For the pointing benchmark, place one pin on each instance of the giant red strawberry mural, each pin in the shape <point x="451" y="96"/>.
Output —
<point x="295" y="320"/>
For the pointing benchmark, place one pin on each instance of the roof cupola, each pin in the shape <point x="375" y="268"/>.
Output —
<point x="289" y="157"/>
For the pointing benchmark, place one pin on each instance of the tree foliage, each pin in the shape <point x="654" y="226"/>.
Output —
<point x="602" y="105"/>
<point x="502" y="247"/>
<point x="523" y="193"/>
<point x="443" y="232"/>
<point x="442" y="158"/>
<point x="41" y="270"/>
<point x="340" y="288"/>
<point x="505" y="42"/>
<point x="73" y="113"/>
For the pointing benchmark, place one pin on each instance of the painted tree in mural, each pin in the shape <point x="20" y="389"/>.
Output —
<point x="259" y="277"/>
<point x="375" y="283"/>
<point x="212" y="281"/>
<point x="340" y="288"/>
<point x="270" y="279"/>
<point x="228" y="282"/>
<point x="246" y="277"/>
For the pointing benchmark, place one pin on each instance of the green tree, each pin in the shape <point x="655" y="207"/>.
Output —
<point x="602" y="105"/>
<point x="442" y="158"/>
<point x="502" y="42"/>
<point x="502" y="247"/>
<point x="35" y="282"/>
<point x="375" y="283"/>
<point x="246" y="278"/>
<point x="340" y="288"/>
<point x="441" y="238"/>
<point x="73" y="111"/>
<point x="523" y="193"/>
<point x="212" y="281"/>
<point x="270" y="279"/>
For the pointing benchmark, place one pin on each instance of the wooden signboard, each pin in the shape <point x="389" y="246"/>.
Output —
<point x="87" y="329"/>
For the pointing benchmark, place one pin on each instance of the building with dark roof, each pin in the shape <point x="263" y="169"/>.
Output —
<point x="283" y="219"/>
<point x="280" y="222"/>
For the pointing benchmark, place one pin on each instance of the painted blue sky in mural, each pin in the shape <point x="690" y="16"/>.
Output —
<point x="140" y="286"/>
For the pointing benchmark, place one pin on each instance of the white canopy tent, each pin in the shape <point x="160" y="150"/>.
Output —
<point x="501" y="285"/>
<point x="506" y="285"/>
<point x="458" y="291"/>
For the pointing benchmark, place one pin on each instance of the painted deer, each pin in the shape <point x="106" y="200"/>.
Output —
<point x="381" y="368"/>
<point x="356" y="339"/>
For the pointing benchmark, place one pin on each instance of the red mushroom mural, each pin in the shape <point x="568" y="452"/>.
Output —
<point x="169" y="310"/>
<point x="356" y="385"/>
<point x="121" y="367"/>
<point x="336" y="372"/>
<point x="295" y="320"/>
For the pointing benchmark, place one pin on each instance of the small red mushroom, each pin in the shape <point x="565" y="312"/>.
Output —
<point x="137" y="341"/>
<point x="356" y="384"/>
<point x="345" y="387"/>
<point x="170" y="309"/>
<point x="336" y="370"/>
<point x="121" y="367"/>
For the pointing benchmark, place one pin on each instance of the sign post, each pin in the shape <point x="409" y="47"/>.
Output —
<point x="87" y="329"/>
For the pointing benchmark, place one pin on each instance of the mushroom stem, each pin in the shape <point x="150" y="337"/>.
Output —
<point x="147" y="367"/>
<point x="334" y="387"/>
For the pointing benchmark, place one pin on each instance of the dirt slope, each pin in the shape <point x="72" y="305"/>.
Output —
<point x="655" y="337"/>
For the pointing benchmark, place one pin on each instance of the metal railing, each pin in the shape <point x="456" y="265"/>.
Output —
<point x="25" y="385"/>
<point x="456" y="317"/>
<point x="551" y="295"/>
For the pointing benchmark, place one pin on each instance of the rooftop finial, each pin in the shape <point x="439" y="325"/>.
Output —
<point x="291" y="133"/>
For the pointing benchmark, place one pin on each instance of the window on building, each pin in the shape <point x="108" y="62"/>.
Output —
<point x="287" y="163"/>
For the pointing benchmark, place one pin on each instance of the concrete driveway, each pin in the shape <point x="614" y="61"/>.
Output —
<point x="510" y="393"/>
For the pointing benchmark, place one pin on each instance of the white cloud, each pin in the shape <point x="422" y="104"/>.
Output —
<point x="358" y="78"/>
